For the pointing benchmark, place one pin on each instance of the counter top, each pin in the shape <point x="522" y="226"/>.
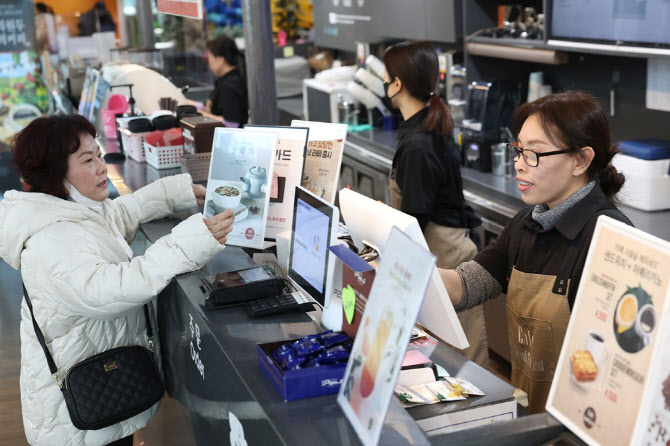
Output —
<point x="232" y="378"/>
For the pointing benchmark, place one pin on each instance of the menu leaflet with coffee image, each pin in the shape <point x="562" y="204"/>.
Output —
<point x="324" y="158"/>
<point x="614" y="339"/>
<point x="240" y="176"/>
<point x="289" y="162"/>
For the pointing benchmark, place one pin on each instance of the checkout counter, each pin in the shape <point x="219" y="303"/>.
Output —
<point x="210" y="367"/>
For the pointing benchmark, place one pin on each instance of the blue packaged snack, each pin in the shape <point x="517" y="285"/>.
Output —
<point x="335" y="354"/>
<point x="313" y="363"/>
<point x="331" y="356"/>
<point x="282" y="351"/>
<point x="331" y="339"/>
<point x="308" y="347"/>
<point x="291" y="362"/>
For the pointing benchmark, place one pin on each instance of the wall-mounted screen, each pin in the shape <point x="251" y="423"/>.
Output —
<point x="622" y="22"/>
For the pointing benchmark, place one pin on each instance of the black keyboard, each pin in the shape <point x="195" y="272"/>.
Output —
<point x="277" y="304"/>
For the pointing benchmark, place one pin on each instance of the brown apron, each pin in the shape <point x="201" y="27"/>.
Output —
<point x="453" y="246"/>
<point x="537" y="319"/>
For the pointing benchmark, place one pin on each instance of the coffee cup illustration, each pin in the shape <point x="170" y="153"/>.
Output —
<point x="226" y="197"/>
<point x="595" y="344"/>
<point x="626" y="313"/>
<point x="645" y="323"/>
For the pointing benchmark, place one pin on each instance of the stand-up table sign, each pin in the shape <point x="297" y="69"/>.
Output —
<point x="612" y="383"/>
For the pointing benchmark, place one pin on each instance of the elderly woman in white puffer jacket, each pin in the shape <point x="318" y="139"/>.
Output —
<point x="71" y="244"/>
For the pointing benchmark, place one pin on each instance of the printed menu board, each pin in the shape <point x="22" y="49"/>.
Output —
<point x="17" y="25"/>
<point x="288" y="166"/>
<point x="381" y="343"/>
<point x="240" y="175"/>
<point x="324" y="157"/>
<point x="609" y="371"/>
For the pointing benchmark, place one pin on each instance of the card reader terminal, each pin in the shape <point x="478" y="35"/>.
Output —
<point x="243" y="285"/>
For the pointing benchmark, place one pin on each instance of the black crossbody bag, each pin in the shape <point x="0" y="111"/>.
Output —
<point x="109" y="387"/>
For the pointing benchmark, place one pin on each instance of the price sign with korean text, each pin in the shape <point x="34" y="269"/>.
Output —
<point x="612" y="381"/>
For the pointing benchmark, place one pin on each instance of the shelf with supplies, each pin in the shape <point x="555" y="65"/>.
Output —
<point x="536" y="51"/>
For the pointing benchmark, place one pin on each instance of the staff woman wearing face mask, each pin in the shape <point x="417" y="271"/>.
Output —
<point x="70" y="243"/>
<point x="425" y="179"/>
<point x="563" y="166"/>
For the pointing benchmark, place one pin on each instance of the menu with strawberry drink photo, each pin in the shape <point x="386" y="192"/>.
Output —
<point x="376" y="356"/>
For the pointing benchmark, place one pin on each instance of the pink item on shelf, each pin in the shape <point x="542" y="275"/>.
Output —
<point x="117" y="104"/>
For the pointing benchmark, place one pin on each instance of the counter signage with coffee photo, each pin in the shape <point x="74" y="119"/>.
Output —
<point x="289" y="162"/>
<point x="617" y="320"/>
<point x="322" y="168"/>
<point x="240" y="176"/>
<point x="324" y="158"/>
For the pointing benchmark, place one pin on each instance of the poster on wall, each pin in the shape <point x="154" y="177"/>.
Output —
<point x="23" y="95"/>
<point x="185" y="8"/>
<point x="17" y="25"/>
<point x="288" y="166"/>
<point x="240" y="175"/>
<point x="610" y="369"/>
<point x="381" y="342"/>
<point x="325" y="147"/>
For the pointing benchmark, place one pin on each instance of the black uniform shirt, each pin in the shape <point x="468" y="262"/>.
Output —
<point x="559" y="251"/>
<point x="428" y="174"/>
<point x="229" y="98"/>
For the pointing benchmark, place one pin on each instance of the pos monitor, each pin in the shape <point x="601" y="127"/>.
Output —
<point x="371" y="221"/>
<point x="311" y="265"/>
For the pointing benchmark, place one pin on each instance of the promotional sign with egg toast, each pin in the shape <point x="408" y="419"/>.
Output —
<point x="240" y="178"/>
<point x="610" y="381"/>
<point x="321" y="174"/>
<point x="288" y="166"/>
<point x="381" y="343"/>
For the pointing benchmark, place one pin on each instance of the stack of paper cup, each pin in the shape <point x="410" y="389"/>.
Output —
<point x="372" y="82"/>
<point x="375" y="65"/>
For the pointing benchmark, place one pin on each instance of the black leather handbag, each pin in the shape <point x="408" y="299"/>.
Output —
<point x="109" y="387"/>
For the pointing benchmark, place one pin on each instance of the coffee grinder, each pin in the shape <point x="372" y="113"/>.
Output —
<point x="489" y="106"/>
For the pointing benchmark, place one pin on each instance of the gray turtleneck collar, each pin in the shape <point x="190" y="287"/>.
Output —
<point x="548" y="217"/>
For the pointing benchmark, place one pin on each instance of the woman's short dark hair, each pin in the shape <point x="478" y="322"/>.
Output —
<point x="573" y="120"/>
<point x="417" y="67"/>
<point x="41" y="151"/>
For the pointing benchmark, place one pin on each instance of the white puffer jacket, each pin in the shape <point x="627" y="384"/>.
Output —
<point x="86" y="292"/>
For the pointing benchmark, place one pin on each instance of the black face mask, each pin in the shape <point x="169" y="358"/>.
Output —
<point x="386" y="100"/>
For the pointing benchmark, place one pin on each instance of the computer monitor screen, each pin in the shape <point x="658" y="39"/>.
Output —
<point x="315" y="224"/>
<point x="626" y="21"/>
<point x="371" y="221"/>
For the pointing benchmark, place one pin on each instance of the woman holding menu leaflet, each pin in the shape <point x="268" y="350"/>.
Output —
<point x="425" y="179"/>
<point x="563" y="165"/>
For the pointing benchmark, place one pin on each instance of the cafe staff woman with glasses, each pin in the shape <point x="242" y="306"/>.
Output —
<point x="564" y="171"/>
<point x="425" y="179"/>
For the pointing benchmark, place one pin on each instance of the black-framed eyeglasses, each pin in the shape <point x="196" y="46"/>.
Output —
<point x="531" y="158"/>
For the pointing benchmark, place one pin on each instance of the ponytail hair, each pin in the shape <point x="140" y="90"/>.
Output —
<point x="439" y="118"/>
<point x="573" y="120"/>
<point x="416" y="65"/>
<point x="610" y="179"/>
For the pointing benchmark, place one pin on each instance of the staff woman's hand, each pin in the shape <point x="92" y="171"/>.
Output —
<point x="220" y="225"/>
<point x="200" y="192"/>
